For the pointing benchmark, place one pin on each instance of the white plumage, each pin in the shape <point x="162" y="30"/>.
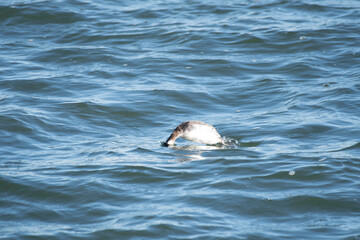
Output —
<point x="195" y="131"/>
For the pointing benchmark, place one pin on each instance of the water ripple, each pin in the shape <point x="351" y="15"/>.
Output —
<point x="89" y="90"/>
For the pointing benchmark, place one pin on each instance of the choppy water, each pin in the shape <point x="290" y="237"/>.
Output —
<point x="89" y="90"/>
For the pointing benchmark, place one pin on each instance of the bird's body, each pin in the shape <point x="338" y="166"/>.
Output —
<point x="195" y="131"/>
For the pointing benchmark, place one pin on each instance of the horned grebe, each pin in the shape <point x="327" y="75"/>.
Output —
<point x="195" y="131"/>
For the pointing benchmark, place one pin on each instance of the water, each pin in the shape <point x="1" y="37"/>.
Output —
<point x="90" y="89"/>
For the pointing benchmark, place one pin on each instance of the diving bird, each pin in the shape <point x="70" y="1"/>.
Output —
<point x="195" y="131"/>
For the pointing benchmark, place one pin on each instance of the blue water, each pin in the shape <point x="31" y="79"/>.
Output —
<point x="90" y="89"/>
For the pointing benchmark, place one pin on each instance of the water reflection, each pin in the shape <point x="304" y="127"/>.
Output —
<point x="193" y="152"/>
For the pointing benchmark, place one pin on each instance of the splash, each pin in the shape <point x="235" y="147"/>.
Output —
<point x="230" y="142"/>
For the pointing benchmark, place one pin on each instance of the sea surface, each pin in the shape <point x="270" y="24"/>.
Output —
<point x="89" y="90"/>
